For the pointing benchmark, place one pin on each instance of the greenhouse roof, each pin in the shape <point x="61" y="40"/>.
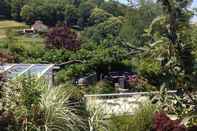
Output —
<point x="15" y="70"/>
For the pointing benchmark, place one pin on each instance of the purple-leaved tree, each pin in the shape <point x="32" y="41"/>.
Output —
<point x="62" y="38"/>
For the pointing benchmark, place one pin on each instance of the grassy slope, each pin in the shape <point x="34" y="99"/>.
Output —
<point x="9" y="24"/>
<point x="6" y="24"/>
<point x="26" y="42"/>
<point x="2" y="34"/>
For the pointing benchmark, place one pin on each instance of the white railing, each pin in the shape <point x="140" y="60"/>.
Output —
<point x="126" y="94"/>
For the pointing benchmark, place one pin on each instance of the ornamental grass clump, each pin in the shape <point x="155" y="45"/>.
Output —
<point x="59" y="116"/>
<point x="141" y="120"/>
<point x="29" y="105"/>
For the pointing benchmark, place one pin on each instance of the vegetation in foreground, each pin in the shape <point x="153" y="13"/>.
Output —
<point x="28" y="104"/>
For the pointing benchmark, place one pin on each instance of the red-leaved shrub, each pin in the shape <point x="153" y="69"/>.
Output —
<point x="163" y="123"/>
<point x="6" y="57"/>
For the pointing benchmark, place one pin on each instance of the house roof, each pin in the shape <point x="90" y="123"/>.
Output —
<point x="39" y="25"/>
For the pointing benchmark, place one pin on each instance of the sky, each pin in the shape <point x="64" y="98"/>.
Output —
<point x="194" y="5"/>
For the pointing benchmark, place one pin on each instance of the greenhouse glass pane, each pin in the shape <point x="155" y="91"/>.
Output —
<point x="16" y="70"/>
<point x="48" y="73"/>
<point x="37" y="69"/>
<point x="5" y="66"/>
<point x="2" y="67"/>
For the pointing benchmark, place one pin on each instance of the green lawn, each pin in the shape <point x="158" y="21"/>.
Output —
<point x="36" y="39"/>
<point x="2" y="33"/>
<point x="9" y="24"/>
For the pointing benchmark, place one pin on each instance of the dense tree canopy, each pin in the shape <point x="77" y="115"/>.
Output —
<point x="138" y="20"/>
<point x="114" y="8"/>
<point x="110" y="27"/>
<point x="98" y="15"/>
<point x="4" y="9"/>
<point x="16" y="7"/>
<point x="171" y="34"/>
<point x="49" y="11"/>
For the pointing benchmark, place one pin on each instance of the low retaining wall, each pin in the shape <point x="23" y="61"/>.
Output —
<point x="118" y="103"/>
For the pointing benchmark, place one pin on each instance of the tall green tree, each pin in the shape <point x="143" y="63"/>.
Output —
<point x="98" y="15"/>
<point x="16" y="6"/>
<point x="49" y="11"/>
<point x="5" y="8"/>
<point x="172" y="30"/>
<point x="99" y="57"/>
<point x="113" y="7"/>
<point x="138" y="19"/>
<point x="72" y="14"/>
<point x="85" y="10"/>
<point x="110" y="27"/>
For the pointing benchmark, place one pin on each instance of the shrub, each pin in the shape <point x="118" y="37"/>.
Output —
<point x="62" y="38"/>
<point x="102" y="87"/>
<point x="6" y="57"/>
<point x="71" y="72"/>
<point x="28" y="52"/>
<point x="96" y="120"/>
<point x="142" y="119"/>
<point x="163" y="123"/>
<point x="58" y="115"/>
<point x="55" y="56"/>
<point x="4" y="43"/>
<point x="19" y="98"/>
<point x="120" y="123"/>
<point x="32" y="106"/>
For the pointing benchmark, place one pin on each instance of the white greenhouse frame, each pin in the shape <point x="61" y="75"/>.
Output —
<point x="12" y="71"/>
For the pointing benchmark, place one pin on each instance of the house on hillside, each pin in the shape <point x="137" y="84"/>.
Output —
<point x="37" y="27"/>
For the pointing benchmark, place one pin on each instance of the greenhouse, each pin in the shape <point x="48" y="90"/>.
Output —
<point x="13" y="71"/>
